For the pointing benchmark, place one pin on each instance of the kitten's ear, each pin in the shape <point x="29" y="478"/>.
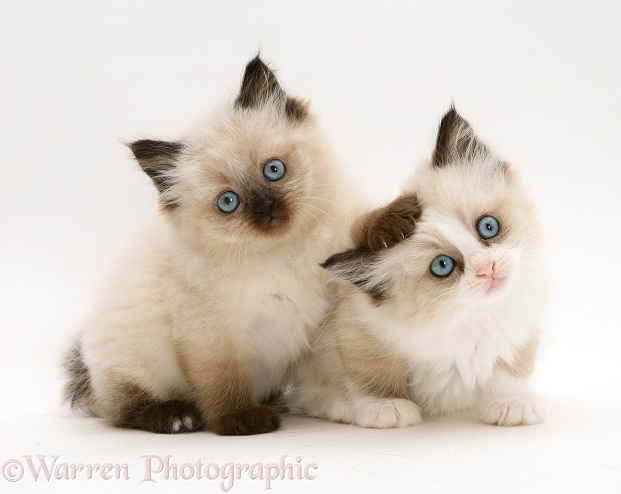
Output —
<point x="456" y="141"/>
<point x="357" y="266"/>
<point x="260" y="86"/>
<point x="157" y="158"/>
<point x="388" y="225"/>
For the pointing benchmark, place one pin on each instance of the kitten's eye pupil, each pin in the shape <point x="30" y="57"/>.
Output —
<point x="228" y="202"/>
<point x="442" y="266"/>
<point x="488" y="227"/>
<point x="274" y="170"/>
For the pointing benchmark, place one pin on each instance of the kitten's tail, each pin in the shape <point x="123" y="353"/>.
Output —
<point x="78" y="390"/>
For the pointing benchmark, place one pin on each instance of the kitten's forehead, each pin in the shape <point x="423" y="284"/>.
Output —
<point x="437" y="227"/>
<point x="229" y="145"/>
<point x="463" y="190"/>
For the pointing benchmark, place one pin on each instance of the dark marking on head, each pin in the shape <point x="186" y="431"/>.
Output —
<point x="456" y="141"/>
<point x="356" y="266"/>
<point x="78" y="390"/>
<point x="156" y="159"/>
<point x="144" y="412"/>
<point x="387" y="226"/>
<point x="267" y="210"/>
<point x="296" y="109"/>
<point x="260" y="85"/>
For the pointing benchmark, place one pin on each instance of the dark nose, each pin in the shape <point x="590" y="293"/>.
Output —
<point x="265" y="207"/>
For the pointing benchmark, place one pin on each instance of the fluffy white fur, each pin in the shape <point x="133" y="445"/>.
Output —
<point x="449" y="344"/>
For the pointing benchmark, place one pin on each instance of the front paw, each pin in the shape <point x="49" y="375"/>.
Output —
<point x="513" y="410"/>
<point x="256" y="420"/>
<point x="387" y="413"/>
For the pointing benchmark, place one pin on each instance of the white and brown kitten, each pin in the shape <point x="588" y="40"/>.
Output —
<point x="440" y="303"/>
<point x="202" y="320"/>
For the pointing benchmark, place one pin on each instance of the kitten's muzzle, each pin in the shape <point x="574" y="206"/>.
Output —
<point x="266" y="208"/>
<point x="268" y="214"/>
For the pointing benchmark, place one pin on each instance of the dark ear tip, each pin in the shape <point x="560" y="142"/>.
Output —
<point x="331" y="261"/>
<point x="140" y="148"/>
<point x="256" y="63"/>
<point x="451" y="116"/>
<point x="351" y="255"/>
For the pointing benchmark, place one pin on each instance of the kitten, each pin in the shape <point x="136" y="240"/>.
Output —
<point x="201" y="322"/>
<point x="442" y="300"/>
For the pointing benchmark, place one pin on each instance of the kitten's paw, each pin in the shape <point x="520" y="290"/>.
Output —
<point x="385" y="414"/>
<point x="513" y="410"/>
<point x="256" y="420"/>
<point x="164" y="417"/>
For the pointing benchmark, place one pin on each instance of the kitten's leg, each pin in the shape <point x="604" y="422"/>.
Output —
<point x="508" y="399"/>
<point x="224" y="391"/>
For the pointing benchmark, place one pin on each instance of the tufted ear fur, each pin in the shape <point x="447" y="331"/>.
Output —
<point x="388" y="225"/>
<point x="260" y="86"/>
<point x="157" y="158"/>
<point x="373" y="233"/>
<point x="456" y="141"/>
<point x="357" y="266"/>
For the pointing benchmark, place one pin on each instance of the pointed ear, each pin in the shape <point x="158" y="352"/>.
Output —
<point x="456" y="141"/>
<point x="357" y="266"/>
<point x="157" y="158"/>
<point x="259" y="86"/>
<point x="387" y="226"/>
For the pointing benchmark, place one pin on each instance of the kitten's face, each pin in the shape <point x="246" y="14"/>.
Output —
<point x="474" y="240"/>
<point x="255" y="171"/>
<point x="471" y="242"/>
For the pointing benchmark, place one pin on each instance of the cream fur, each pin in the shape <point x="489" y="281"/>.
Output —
<point x="205" y="282"/>
<point x="453" y="343"/>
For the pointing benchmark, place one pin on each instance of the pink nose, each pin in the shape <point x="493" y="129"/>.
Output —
<point x="488" y="270"/>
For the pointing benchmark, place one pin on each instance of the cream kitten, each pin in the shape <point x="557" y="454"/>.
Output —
<point x="443" y="302"/>
<point x="201" y="322"/>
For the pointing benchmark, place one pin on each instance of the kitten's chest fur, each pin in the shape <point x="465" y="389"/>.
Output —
<point x="452" y="361"/>
<point x="289" y="304"/>
<point x="265" y="307"/>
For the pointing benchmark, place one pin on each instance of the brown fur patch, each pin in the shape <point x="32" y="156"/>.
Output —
<point x="163" y="417"/>
<point x="354" y="265"/>
<point x="375" y="371"/>
<point x="255" y="420"/>
<point x="456" y="140"/>
<point x="389" y="225"/>
<point x="523" y="363"/>
<point x="78" y="390"/>
<point x="296" y="109"/>
<point x="259" y="85"/>
<point x="224" y="391"/>
<point x="156" y="158"/>
<point x="268" y="210"/>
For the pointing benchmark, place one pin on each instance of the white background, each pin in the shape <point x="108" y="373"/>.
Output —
<point x="541" y="81"/>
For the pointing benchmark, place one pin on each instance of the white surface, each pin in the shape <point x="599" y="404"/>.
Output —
<point x="540" y="81"/>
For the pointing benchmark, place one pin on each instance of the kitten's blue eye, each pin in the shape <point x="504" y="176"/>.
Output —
<point x="228" y="202"/>
<point x="442" y="266"/>
<point x="488" y="227"/>
<point x="274" y="170"/>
